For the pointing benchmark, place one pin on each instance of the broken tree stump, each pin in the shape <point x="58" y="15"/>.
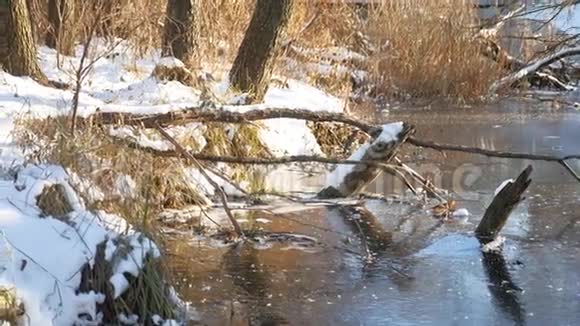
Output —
<point x="346" y="180"/>
<point x="502" y="205"/>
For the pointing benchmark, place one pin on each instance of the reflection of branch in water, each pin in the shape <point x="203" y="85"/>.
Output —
<point x="502" y="288"/>
<point x="372" y="233"/>
<point x="376" y="241"/>
<point x="243" y="265"/>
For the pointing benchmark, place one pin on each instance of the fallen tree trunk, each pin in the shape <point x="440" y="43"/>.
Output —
<point x="226" y="114"/>
<point x="532" y="68"/>
<point x="502" y="205"/>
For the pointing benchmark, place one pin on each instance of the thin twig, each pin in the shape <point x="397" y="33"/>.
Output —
<point x="81" y="72"/>
<point x="490" y="153"/>
<point x="363" y="239"/>
<point x="427" y="186"/>
<point x="570" y="169"/>
<point x="249" y="160"/>
<point x="225" y="178"/>
<point x="486" y="152"/>
<point x="216" y="187"/>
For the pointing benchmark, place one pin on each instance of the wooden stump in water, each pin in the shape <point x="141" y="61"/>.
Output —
<point x="502" y="206"/>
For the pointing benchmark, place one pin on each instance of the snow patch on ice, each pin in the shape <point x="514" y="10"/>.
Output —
<point x="462" y="212"/>
<point x="454" y="245"/>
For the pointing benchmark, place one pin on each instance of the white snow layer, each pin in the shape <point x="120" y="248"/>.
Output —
<point x="462" y="212"/>
<point x="502" y="185"/>
<point x="388" y="134"/>
<point x="119" y="82"/>
<point x="43" y="256"/>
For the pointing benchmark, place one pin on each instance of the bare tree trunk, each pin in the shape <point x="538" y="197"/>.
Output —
<point x="21" y="58"/>
<point x="60" y="16"/>
<point x="4" y="22"/>
<point x="178" y="38"/>
<point x="252" y="68"/>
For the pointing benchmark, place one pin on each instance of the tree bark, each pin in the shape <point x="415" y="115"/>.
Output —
<point x="252" y="67"/>
<point x="226" y="114"/>
<point x="59" y="17"/>
<point x="21" y="58"/>
<point x="4" y="21"/>
<point x="178" y="38"/>
<point x="346" y="181"/>
<point x="501" y="207"/>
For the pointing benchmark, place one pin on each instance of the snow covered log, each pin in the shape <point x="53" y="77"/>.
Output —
<point x="346" y="180"/>
<point x="533" y="68"/>
<point x="507" y="197"/>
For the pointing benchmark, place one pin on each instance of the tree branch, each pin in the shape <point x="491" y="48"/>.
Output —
<point x="486" y="152"/>
<point x="533" y="68"/>
<point x="216" y="187"/>
<point x="208" y="112"/>
<point x="513" y="155"/>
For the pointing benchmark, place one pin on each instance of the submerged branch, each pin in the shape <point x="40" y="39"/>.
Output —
<point x="226" y="114"/>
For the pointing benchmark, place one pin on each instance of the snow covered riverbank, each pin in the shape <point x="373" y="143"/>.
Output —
<point x="44" y="255"/>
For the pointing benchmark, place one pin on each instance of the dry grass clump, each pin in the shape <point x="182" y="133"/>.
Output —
<point x="426" y="48"/>
<point x="137" y="21"/>
<point x="123" y="177"/>
<point x="239" y="141"/>
<point x="335" y="25"/>
<point x="11" y="310"/>
<point x="422" y="48"/>
<point x="53" y="201"/>
<point x="336" y="139"/>
<point x="148" y="294"/>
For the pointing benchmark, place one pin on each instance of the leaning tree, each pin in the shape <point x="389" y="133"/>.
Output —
<point x="20" y="58"/>
<point x="253" y="65"/>
<point x="178" y="39"/>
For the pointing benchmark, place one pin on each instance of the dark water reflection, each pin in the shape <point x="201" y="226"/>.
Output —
<point x="432" y="274"/>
